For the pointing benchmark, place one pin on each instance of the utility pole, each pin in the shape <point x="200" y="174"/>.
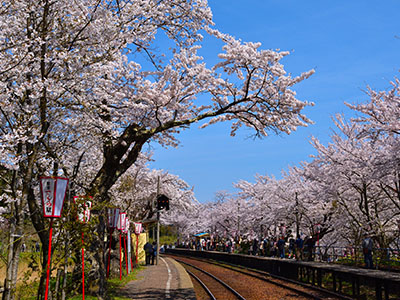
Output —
<point x="297" y="217"/>
<point x="158" y="223"/>
<point x="238" y="221"/>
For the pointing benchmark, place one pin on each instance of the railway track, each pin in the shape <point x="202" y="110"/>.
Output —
<point x="262" y="285"/>
<point x="214" y="286"/>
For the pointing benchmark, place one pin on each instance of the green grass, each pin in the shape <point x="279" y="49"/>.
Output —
<point x="79" y="297"/>
<point x="27" y="291"/>
<point x="114" y="284"/>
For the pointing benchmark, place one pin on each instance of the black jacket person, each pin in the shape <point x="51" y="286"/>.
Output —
<point x="148" y="249"/>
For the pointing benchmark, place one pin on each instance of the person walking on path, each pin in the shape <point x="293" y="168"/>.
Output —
<point x="367" y="246"/>
<point x="148" y="249"/>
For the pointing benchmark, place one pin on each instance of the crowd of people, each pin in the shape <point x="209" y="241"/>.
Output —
<point x="300" y="248"/>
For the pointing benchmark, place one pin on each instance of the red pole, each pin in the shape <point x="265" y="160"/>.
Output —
<point x="48" y="260"/>
<point x="137" y="248"/>
<point x="109" y="255"/>
<point x="83" y="270"/>
<point x="126" y="256"/>
<point x="120" y="260"/>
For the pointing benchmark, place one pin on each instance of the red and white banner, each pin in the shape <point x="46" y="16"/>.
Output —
<point x="121" y="221"/>
<point x="84" y="204"/>
<point x="127" y="225"/>
<point x="138" y="228"/>
<point x="113" y="216"/>
<point x="53" y="190"/>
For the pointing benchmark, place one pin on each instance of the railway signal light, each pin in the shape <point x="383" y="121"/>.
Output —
<point x="162" y="202"/>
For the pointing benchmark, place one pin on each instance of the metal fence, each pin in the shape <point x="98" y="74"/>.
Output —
<point x="382" y="257"/>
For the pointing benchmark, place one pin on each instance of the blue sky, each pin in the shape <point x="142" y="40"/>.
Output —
<point x="350" y="44"/>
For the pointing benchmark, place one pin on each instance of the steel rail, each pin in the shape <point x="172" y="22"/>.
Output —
<point x="215" y="278"/>
<point x="316" y="288"/>
<point x="304" y="293"/>
<point x="203" y="285"/>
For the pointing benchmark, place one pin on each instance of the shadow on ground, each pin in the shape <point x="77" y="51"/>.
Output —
<point x="158" y="294"/>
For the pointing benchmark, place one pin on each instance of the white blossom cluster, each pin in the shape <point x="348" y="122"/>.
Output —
<point x="350" y="187"/>
<point x="85" y="85"/>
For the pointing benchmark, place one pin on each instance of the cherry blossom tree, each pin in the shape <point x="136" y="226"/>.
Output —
<point x="136" y="192"/>
<point x="351" y="166"/>
<point x="82" y="74"/>
<point x="381" y="112"/>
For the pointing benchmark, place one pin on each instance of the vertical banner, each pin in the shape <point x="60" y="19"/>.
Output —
<point x="113" y="216"/>
<point x="61" y="188"/>
<point x="53" y="191"/>
<point x="47" y="190"/>
<point x="138" y="230"/>
<point x="121" y="221"/>
<point x="84" y="205"/>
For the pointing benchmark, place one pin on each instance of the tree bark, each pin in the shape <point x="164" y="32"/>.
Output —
<point x="101" y="259"/>
<point x="59" y="271"/>
<point x="14" y="248"/>
<point x="8" y="293"/>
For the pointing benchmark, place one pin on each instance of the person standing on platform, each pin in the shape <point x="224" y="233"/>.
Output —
<point x="153" y="252"/>
<point x="255" y="247"/>
<point x="367" y="246"/>
<point x="281" y="247"/>
<point x="291" y="247"/>
<point x="266" y="246"/>
<point x="148" y="249"/>
<point x="310" y="243"/>
<point x="299" y="248"/>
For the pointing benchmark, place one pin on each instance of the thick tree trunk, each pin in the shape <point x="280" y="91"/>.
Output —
<point x="15" y="262"/>
<point x="44" y="238"/>
<point x="101" y="259"/>
<point x="59" y="271"/>
<point x="14" y="248"/>
<point x="106" y="177"/>
<point x="8" y="293"/>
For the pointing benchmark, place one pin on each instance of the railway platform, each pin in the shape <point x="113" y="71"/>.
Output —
<point x="167" y="280"/>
